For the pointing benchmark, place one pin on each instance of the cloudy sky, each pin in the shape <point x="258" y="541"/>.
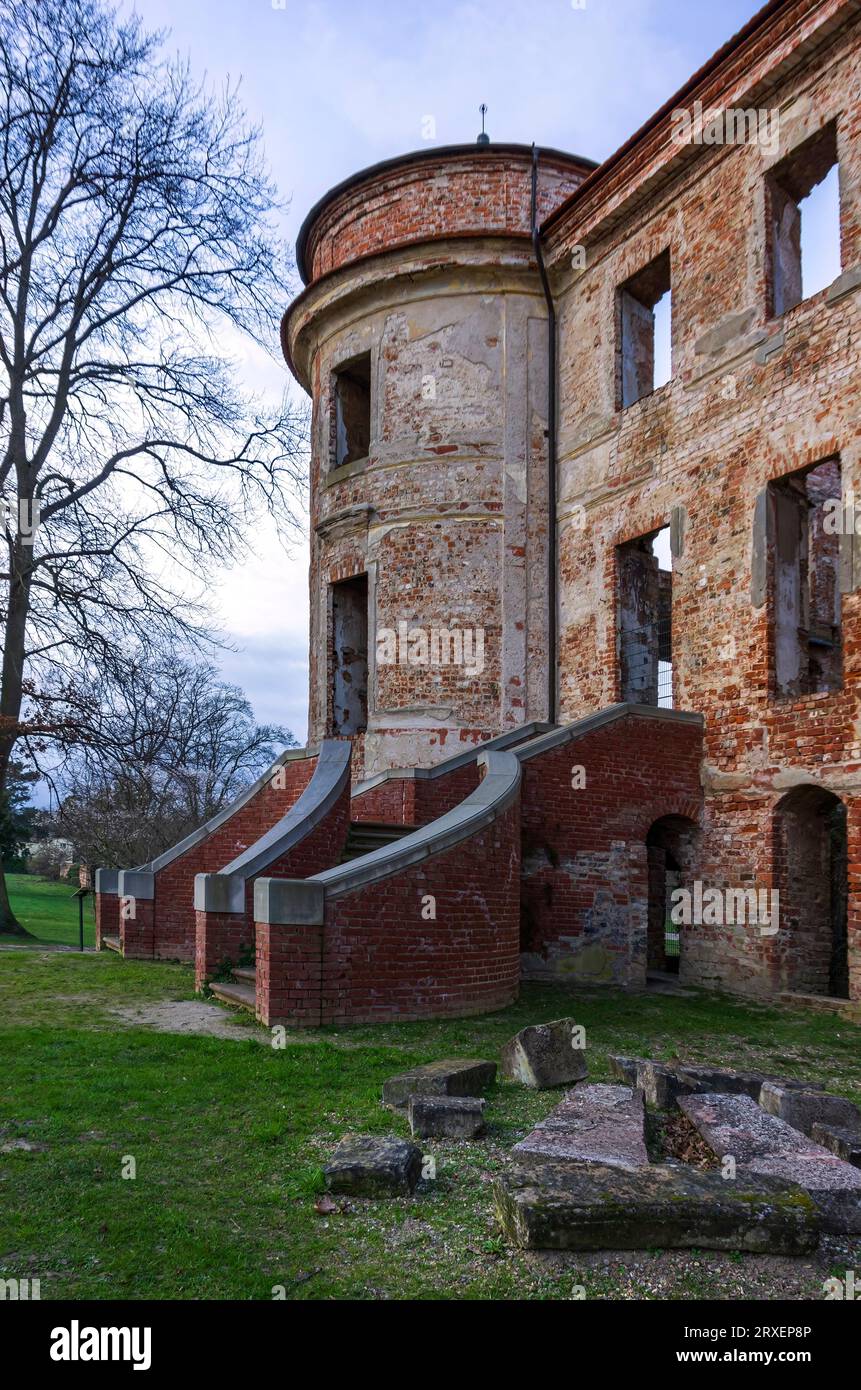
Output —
<point x="339" y="84"/>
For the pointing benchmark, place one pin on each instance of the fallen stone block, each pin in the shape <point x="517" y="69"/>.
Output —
<point x="736" y="1127"/>
<point x="467" y="1076"/>
<point x="845" y="1143"/>
<point x="804" y="1108"/>
<point x="667" y="1206"/>
<point x="625" y="1068"/>
<point x="723" y="1080"/>
<point x="365" y="1165"/>
<point x="662" y="1083"/>
<point x="446" y="1117"/>
<point x="544" y="1055"/>
<point x="593" y="1124"/>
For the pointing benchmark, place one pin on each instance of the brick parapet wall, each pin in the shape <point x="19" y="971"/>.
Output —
<point x="376" y="958"/>
<point x="171" y="931"/>
<point x="220" y="936"/>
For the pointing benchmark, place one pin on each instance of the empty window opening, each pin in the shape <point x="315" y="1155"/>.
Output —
<point x="351" y="411"/>
<point x="645" y="330"/>
<point x="811" y="872"/>
<point x="645" y="606"/>
<point x="350" y="656"/>
<point x="805" y="589"/>
<point x="804" y="214"/>
<point x="671" y="847"/>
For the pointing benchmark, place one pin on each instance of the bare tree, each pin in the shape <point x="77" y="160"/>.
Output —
<point x="169" y="746"/>
<point x="137" y="247"/>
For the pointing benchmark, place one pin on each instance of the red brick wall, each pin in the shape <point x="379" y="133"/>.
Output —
<point x="389" y="803"/>
<point x="382" y="960"/>
<point x="732" y="419"/>
<point x="221" y="938"/>
<point x="174" y="936"/>
<point x="584" y="883"/>
<point x="137" y="932"/>
<point x="408" y="801"/>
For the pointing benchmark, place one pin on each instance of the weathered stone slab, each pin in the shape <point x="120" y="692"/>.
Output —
<point x="593" y="1124"/>
<point x="544" y="1055"/>
<point x="760" y="1143"/>
<point x="625" y="1068"/>
<point x="365" y="1165"/>
<point x="845" y="1143"/>
<point x="558" y="1206"/>
<point x="446" y="1117"/>
<point x="462" y="1076"/>
<point x="804" y="1108"/>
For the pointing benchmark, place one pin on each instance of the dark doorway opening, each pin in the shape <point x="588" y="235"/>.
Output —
<point x="671" y="846"/>
<point x="811" y="863"/>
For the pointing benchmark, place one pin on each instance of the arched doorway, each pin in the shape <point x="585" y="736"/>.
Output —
<point x="811" y="872"/>
<point x="671" y="848"/>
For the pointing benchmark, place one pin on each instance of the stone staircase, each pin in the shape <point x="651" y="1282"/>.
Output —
<point x="363" y="838"/>
<point x="366" y="836"/>
<point x="240" y="989"/>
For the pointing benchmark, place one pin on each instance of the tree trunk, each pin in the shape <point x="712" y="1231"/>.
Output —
<point x="12" y="693"/>
<point x="9" y="924"/>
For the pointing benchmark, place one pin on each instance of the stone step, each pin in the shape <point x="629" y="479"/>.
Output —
<point x="112" y="943"/>
<point x="593" y="1124"/>
<point x="245" y="972"/>
<point x="366" y="836"/>
<point x="234" y="992"/>
<point x="762" y="1144"/>
<point x="560" y="1206"/>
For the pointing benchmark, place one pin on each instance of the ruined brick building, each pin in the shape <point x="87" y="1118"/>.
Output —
<point x="577" y="637"/>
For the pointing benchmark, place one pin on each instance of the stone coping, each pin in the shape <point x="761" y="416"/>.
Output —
<point x="104" y="877"/>
<point x="225" y="890"/>
<point x="303" y="902"/>
<point x="458" y="760"/>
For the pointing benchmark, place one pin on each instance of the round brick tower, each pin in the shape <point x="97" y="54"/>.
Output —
<point x="421" y="336"/>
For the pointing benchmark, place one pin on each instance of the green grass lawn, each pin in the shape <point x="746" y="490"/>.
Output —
<point x="49" y="910"/>
<point x="228" y="1139"/>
